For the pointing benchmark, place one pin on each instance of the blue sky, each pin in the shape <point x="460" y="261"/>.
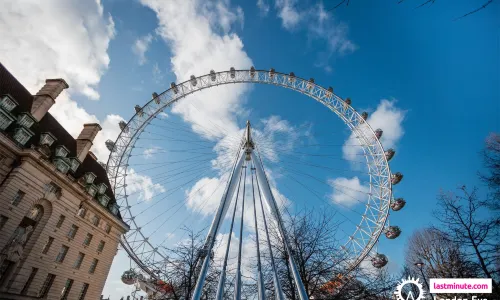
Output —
<point x="440" y="77"/>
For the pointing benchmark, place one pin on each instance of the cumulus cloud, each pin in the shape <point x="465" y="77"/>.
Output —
<point x="72" y="43"/>
<point x="143" y="185"/>
<point x="248" y="253"/>
<point x="347" y="191"/>
<point x="387" y="117"/>
<point x="205" y="49"/>
<point x="140" y="47"/>
<point x="148" y="153"/>
<point x="331" y="35"/>
<point x="263" y="7"/>
<point x="288" y="14"/>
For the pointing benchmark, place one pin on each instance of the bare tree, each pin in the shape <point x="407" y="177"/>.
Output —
<point x="491" y="158"/>
<point x="316" y="251"/>
<point x="182" y="267"/>
<point x="426" y="3"/>
<point x="466" y="222"/>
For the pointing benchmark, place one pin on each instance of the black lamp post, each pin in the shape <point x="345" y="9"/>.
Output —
<point x="420" y="265"/>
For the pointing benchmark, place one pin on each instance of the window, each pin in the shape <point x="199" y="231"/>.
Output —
<point x="114" y="209"/>
<point x="93" y="266"/>
<point x="102" y="188"/>
<point x="47" y="138"/>
<point x="92" y="190"/>
<point x="72" y="231"/>
<point x="24" y="119"/>
<point x="108" y="228"/>
<point x="88" y="239"/>
<point x="28" y="282"/>
<point x="83" y="291"/>
<point x="96" y="220"/>
<point x="66" y="289"/>
<point x="104" y="200"/>
<point x="74" y="164"/>
<point x="5" y="119"/>
<point x="5" y="269"/>
<point x="60" y="221"/>
<point x="101" y="246"/>
<point x="47" y="245"/>
<point x="17" y="198"/>
<point x="46" y="285"/>
<point x="79" y="260"/>
<point x="7" y="102"/>
<point x="52" y="188"/>
<point x="22" y="135"/>
<point x="61" y="165"/>
<point x="89" y="177"/>
<point x="62" y="254"/>
<point x="3" y="221"/>
<point x="61" y="151"/>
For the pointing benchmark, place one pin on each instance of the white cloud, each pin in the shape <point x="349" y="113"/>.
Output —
<point x="204" y="197"/>
<point x="140" y="47"/>
<point x="110" y="131"/>
<point x="263" y="7"/>
<point x="197" y="49"/>
<point x="289" y="15"/>
<point x="163" y="115"/>
<point x="148" y="153"/>
<point x="387" y="117"/>
<point x="347" y="192"/>
<point x="248" y="253"/>
<point x="72" y="43"/>
<point x="331" y="35"/>
<point x="142" y="184"/>
<point x="157" y="74"/>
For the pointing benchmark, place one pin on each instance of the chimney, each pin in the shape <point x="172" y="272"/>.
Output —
<point x="46" y="97"/>
<point x="85" y="139"/>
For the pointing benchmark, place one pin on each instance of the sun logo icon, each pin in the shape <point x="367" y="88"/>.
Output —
<point x="413" y="282"/>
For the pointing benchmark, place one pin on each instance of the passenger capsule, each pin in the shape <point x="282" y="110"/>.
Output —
<point x="348" y="101"/>
<point x="128" y="277"/>
<point x="396" y="178"/>
<point x="392" y="232"/>
<point x="193" y="80"/>
<point x="378" y="133"/>
<point x="156" y="98"/>
<point x="398" y="204"/>
<point x="379" y="260"/>
<point x="174" y="87"/>
<point x="310" y="83"/>
<point x="212" y="75"/>
<point x="110" y="145"/>
<point x="138" y="110"/>
<point x="252" y="72"/>
<point x="389" y="154"/>
<point x="291" y="77"/>
<point x="364" y="115"/>
<point x="271" y="73"/>
<point x="329" y="92"/>
<point x="232" y="72"/>
<point x="123" y="126"/>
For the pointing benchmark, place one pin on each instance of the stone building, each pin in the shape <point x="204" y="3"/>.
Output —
<point x="59" y="222"/>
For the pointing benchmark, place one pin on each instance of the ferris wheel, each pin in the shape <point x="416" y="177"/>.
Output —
<point x="158" y="206"/>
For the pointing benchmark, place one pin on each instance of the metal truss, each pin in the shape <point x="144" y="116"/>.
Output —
<point x="149" y="257"/>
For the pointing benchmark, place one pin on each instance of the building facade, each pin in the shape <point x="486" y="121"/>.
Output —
<point x="59" y="222"/>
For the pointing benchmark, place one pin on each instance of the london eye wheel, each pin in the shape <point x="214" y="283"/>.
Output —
<point x="168" y="175"/>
